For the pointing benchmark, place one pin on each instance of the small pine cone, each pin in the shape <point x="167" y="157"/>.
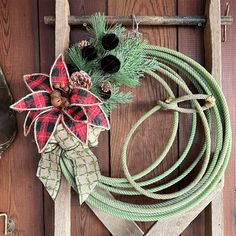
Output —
<point x="80" y="79"/>
<point x="83" y="44"/>
<point x="106" y="86"/>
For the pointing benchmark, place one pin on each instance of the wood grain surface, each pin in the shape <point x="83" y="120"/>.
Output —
<point x="153" y="134"/>
<point x="83" y="220"/>
<point x="190" y="42"/>
<point x="21" y="194"/>
<point x="27" y="46"/>
<point x="47" y="52"/>
<point x="229" y="88"/>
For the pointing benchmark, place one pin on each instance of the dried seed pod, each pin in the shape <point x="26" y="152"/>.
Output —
<point x="56" y="98"/>
<point x="57" y="85"/>
<point x="80" y="79"/>
<point x="61" y="86"/>
<point x="65" y="103"/>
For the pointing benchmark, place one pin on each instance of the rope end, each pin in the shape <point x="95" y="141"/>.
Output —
<point x="169" y="100"/>
<point x="210" y="102"/>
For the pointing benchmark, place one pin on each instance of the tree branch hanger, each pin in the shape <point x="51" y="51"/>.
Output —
<point x="199" y="21"/>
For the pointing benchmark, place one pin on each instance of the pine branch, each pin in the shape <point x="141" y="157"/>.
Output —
<point x="116" y="99"/>
<point x="97" y="25"/>
<point x="131" y="53"/>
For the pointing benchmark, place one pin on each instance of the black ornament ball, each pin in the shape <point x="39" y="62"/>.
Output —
<point x="105" y="95"/>
<point x="110" y="41"/>
<point x="110" y="64"/>
<point x="89" y="53"/>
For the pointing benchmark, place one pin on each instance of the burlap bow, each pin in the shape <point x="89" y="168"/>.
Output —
<point x="85" y="163"/>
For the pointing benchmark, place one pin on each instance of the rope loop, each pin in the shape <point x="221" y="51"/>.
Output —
<point x="212" y="156"/>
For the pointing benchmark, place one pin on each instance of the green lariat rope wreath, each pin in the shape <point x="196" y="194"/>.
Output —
<point x="69" y="110"/>
<point x="214" y="162"/>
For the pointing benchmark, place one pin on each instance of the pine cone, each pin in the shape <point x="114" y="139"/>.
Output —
<point x="80" y="79"/>
<point x="105" y="90"/>
<point x="83" y="44"/>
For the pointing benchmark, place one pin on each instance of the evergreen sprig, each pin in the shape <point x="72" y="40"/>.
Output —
<point x="116" y="99"/>
<point x="130" y="51"/>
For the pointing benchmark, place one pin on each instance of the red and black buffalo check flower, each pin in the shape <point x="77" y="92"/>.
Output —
<point x="37" y="82"/>
<point x="84" y="109"/>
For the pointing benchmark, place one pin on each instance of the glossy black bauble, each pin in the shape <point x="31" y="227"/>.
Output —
<point x="110" y="41"/>
<point x="110" y="64"/>
<point x="89" y="53"/>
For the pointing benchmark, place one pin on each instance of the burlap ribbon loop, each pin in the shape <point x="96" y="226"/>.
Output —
<point x="85" y="163"/>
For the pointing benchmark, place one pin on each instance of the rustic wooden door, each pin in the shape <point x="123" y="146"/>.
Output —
<point x="27" y="46"/>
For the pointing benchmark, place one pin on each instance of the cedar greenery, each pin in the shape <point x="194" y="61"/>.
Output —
<point x="130" y="51"/>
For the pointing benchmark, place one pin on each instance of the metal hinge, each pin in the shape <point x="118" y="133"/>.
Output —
<point x="9" y="224"/>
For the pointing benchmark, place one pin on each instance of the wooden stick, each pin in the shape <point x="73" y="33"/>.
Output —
<point x="115" y="225"/>
<point x="62" y="207"/>
<point x="212" y="37"/>
<point x="145" y="20"/>
<point x="174" y="226"/>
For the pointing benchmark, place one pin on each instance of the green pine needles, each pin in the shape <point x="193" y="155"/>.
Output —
<point x="130" y="52"/>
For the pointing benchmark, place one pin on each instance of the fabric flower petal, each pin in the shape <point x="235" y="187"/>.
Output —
<point x="83" y="97"/>
<point x="59" y="73"/>
<point x="44" y="127"/>
<point x="36" y="82"/>
<point x="30" y="118"/>
<point x="34" y="101"/>
<point x="49" y="170"/>
<point x="78" y="129"/>
<point x="76" y="113"/>
<point x="96" y="117"/>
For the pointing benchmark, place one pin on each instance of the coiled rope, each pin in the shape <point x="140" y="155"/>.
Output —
<point x="213" y="162"/>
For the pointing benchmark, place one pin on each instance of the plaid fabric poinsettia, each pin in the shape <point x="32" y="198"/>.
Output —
<point x="82" y="109"/>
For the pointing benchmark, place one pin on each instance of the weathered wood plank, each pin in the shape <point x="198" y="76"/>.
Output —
<point x="62" y="208"/>
<point x="82" y="217"/>
<point x="217" y="215"/>
<point x="117" y="226"/>
<point x="176" y="225"/>
<point x="190" y="42"/>
<point x="146" y="145"/>
<point x="229" y="87"/>
<point x="47" y="52"/>
<point x="212" y="42"/>
<point x="21" y="194"/>
<point x="212" y="39"/>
